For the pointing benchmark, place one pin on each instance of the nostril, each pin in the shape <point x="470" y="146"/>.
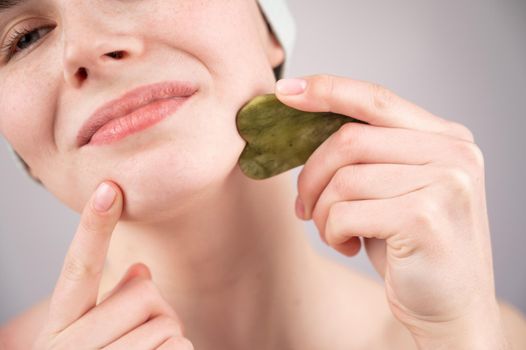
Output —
<point x="81" y="74"/>
<point x="116" y="54"/>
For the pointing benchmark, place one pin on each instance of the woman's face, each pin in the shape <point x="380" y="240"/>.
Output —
<point x="60" y="74"/>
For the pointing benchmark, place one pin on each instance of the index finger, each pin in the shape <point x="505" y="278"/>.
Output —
<point x="78" y="284"/>
<point x="369" y="102"/>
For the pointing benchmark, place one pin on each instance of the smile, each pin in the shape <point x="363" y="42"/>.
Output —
<point x="135" y="111"/>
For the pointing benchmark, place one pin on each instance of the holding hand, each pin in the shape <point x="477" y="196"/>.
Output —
<point x="133" y="315"/>
<point x="412" y="186"/>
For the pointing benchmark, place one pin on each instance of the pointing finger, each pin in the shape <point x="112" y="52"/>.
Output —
<point x="77" y="287"/>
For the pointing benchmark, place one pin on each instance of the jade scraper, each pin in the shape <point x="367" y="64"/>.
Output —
<point x="280" y="137"/>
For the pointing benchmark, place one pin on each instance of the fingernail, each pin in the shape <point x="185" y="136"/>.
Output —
<point x="292" y="86"/>
<point x="104" y="197"/>
<point x="300" y="209"/>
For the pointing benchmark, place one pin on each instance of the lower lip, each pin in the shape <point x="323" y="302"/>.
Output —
<point x="136" y="121"/>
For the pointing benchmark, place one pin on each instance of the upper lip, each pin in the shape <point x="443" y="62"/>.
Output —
<point x="131" y="101"/>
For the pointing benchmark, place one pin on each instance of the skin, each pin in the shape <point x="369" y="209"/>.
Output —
<point x="201" y="256"/>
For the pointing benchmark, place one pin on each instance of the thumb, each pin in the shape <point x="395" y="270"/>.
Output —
<point x="376" y="251"/>
<point x="135" y="270"/>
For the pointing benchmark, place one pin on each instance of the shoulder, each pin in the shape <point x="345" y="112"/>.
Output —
<point x="514" y="324"/>
<point x="21" y="331"/>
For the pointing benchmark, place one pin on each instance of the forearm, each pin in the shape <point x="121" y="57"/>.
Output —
<point x="467" y="342"/>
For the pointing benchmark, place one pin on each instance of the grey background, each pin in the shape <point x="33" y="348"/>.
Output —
<point x="463" y="60"/>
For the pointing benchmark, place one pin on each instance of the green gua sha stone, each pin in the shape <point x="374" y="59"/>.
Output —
<point x="280" y="137"/>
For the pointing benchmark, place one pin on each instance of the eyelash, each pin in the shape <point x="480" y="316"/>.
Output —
<point x="8" y="51"/>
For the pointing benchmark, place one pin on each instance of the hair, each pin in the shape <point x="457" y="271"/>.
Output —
<point x="278" y="71"/>
<point x="4" y="3"/>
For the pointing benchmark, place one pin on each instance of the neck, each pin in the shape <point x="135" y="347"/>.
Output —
<point x="226" y="263"/>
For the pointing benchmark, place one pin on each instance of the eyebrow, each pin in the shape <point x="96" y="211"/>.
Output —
<point x="7" y="4"/>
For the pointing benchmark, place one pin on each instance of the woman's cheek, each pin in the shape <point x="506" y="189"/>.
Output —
<point x="24" y="114"/>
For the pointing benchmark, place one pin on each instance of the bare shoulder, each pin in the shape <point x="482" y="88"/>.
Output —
<point x="514" y="323"/>
<point x="21" y="331"/>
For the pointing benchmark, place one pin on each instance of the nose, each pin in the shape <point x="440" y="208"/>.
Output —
<point x="96" y="51"/>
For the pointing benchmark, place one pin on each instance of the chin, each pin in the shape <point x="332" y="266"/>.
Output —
<point x="163" y="169"/>
<point x="162" y="183"/>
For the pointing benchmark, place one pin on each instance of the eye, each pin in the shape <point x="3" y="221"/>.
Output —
<point x="21" y="40"/>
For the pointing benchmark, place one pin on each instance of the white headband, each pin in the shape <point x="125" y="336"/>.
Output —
<point x="283" y="25"/>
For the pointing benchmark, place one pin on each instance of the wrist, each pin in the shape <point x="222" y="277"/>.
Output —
<point x="473" y="341"/>
<point x="480" y="331"/>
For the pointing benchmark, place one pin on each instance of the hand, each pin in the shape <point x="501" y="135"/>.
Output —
<point x="412" y="185"/>
<point x="133" y="315"/>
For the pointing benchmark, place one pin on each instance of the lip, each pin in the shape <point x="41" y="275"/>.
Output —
<point x="136" y="110"/>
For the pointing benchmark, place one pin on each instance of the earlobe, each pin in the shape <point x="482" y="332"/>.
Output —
<point x="33" y="175"/>
<point x="274" y="50"/>
<point x="276" y="53"/>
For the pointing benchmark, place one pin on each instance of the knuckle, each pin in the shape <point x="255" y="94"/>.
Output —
<point x="461" y="190"/>
<point x="461" y="131"/>
<point x="75" y="269"/>
<point x="459" y="181"/>
<point x="316" y="214"/>
<point x="319" y="217"/>
<point x="329" y="233"/>
<point x="425" y="215"/>
<point x="471" y="155"/>
<point x="328" y="84"/>
<point x="332" y="230"/>
<point x="324" y="88"/>
<point x="475" y="155"/>
<point x="348" y="134"/>
<point x="381" y="97"/>
<point x="90" y="224"/>
<point x="403" y="246"/>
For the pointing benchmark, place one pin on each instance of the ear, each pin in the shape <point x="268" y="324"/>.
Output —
<point x="28" y="168"/>
<point x="33" y="175"/>
<point x="275" y="52"/>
